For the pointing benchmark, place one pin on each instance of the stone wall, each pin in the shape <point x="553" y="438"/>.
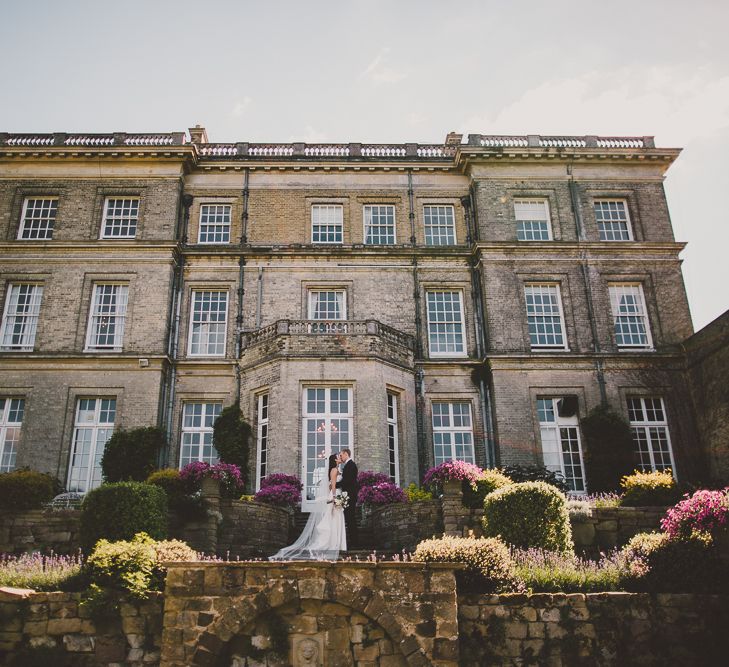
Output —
<point x="252" y="529"/>
<point x="593" y="629"/>
<point x="31" y="621"/>
<point x="402" y="526"/>
<point x="40" y="530"/>
<point x="614" y="526"/>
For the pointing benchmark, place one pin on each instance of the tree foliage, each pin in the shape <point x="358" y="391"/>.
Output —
<point x="608" y="449"/>
<point x="232" y="437"/>
<point x="131" y="456"/>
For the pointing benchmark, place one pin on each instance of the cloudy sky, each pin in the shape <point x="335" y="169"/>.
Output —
<point x="395" y="70"/>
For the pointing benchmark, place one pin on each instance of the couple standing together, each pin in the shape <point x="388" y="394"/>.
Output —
<point x="330" y="528"/>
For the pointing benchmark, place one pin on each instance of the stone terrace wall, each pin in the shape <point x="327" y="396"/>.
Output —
<point x="30" y="620"/>
<point x="402" y="526"/>
<point x="596" y="629"/>
<point x="40" y="530"/>
<point x="614" y="526"/>
<point x="252" y="529"/>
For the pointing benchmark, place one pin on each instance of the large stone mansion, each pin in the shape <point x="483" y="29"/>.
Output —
<point x="417" y="303"/>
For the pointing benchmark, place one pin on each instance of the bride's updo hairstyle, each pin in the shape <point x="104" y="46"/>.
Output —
<point x="332" y="462"/>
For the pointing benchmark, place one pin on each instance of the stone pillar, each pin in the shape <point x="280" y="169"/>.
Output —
<point x="452" y="507"/>
<point x="213" y="516"/>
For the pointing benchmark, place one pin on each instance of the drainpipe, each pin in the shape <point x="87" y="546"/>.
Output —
<point x="239" y="326"/>
<point x="259" y="297"/>
<point x="412" y="207"/>
<point x="244" y="215"/>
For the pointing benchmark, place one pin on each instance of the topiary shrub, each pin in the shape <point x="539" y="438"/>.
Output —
<point x="489" y="568"/>
<point x="119" y="511"/>
<point x="529" y="515"/>
<point x="644" y="489"/>
<point x="132" y="455"/>
<point x="25" y="489"/>
<point x="491" y="479"/>
<point x="609" y="454"/>
<point x="182" y="498"/>
<point x="232" y="437"/>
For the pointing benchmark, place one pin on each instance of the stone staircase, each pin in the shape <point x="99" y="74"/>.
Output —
<point x="366" y="538"/>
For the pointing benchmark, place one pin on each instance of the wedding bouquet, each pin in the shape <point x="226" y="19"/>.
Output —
<point x="342" y="501"/>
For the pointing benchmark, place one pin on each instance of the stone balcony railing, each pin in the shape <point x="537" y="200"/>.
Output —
<point x="304" y="338"/>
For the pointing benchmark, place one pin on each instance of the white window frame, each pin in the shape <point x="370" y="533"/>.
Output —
<point x="46" y="219"/>
<point x="647" y="431"/>
<point x="628" y="223"/>
<point x="100" y="432"/>
<point x="9" y="447"/>
<point x="28" y="319"/>
<point x="121" y="301"/>
<point x="210" y="411"/>
<point x="393" y="437"/>
<point x="452" y="431"/>
<point x="531" y="201"/>
<point x="311" y="307"/>
<point x="559" y="439"/>
<point x="641" y="314"/>
<point x="229" y="225"/>
<point x="431" y="227"/>
<point x="338" y="225"/>
<point x="105" y="218"/>
<point x="263" y="401"/>
<point x="326" y="428"/>
<point x="365" y="225"/>
<point x="461" y="337"/>
<point x="560" y="311"/>
<point x="205" y="326"/>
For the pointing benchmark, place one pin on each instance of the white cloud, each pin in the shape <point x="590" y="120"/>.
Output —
<point x="378" y="71"/>
<point x="240" y="106"/>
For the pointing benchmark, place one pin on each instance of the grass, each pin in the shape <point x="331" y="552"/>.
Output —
<point x="41" y="573"/>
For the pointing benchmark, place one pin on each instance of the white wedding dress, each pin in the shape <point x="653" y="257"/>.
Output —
<point x="324" y="535"/>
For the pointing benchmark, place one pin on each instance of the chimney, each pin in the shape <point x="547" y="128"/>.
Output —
<point x="453" y="139"/>
<point x="198" y="135"/>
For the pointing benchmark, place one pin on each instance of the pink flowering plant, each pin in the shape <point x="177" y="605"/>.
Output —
<point x="703" y="512"/>
<point x="452" y="470"/>
<point x="281" y="495"/>
<point x="281" y="478"/>
<point x="229" y="475"/>
<point x="384" y="493"/>
<point x="370" y="478"/>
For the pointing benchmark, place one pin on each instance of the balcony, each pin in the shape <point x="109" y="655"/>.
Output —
<point x="306" y="339"/>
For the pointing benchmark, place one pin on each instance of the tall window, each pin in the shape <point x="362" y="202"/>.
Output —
<point x="445" y="323"/>
<point x="532" y="220"/>
<point x="120" y="218"/>
<point x="393" y="448"/>
<point x="327" y="428"/>
<point x="11" y="419"/>
<point x="262" y="437"/>
<point x="327" y="305"/>
<point x="208" y="319"/>
<point x="38" y="218"/>
<point x="649" y="426"/>
<point x="440" y="225"/>
<point x="544" y="316"/>
<point x="106" y="317"/>
<point x="629" y="315"/>
<point x="612" y="219"/>
<point x="93" y="427"/>
<point x="214" y="223"/>
<point x="20" y="319"/>
<point x="561" y="445"/>
<point x="197" y="433"/>
<point x="379" y="225"/>
<point x="452" y="432"/>
<point x="326" y="223"/>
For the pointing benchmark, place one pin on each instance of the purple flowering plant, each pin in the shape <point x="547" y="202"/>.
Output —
<point x="279" y="478"/>
<point x="229" y="475"/>
<point x="371" y="478"/>
<point x="703" y="512"/>
<point x="281" y="495"/>
<point x="383" y="493"/>
<point x="452" y="470"/>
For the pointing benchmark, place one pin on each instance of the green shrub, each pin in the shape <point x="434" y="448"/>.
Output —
<point x="26" y="489"/>
<point x="232" y="437"/>
<point x="529" y="515"/>
<point x="489" y="568"/>
<point x="182" y="498"/>
<point x="416" y="494"/>
<point x="119" y="511"/>
<point x="609" y="449"/>
<point x="536" y="474"/>
<point x="132" y="455"/>
<point x="650" y="489"/>
<point x="491" y="479"/>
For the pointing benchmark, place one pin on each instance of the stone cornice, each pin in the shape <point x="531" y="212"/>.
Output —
<point x="610" y="250"/>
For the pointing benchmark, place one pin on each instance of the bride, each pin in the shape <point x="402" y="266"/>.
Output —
<point x="324" y="535"/>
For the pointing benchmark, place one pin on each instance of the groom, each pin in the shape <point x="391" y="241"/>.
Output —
<point x="349" y="484"/>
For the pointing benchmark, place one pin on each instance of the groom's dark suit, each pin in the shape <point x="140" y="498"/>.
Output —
<point x="349" y="484"/>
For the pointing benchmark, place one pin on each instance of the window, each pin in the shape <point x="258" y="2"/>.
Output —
<point x="327" y="305"/>
<point x="629" y="315"/>
<point x="120" y="218"/>
<point x="379" y="225"/>
<point x="197" y="433"/>
<point x="612" y="220"/>
<point x="392" y="438"/>
<point x="106" y="317"/>
<point x="20" y="319"/>
<point x="326" y="223"/>
<point x="38" y="218"/>
<point x="327" y="429"/>
<point x="214" y="223"/>
<point x="452" y="432"/>
<point x="561" y="445"/>
<point x="11" y="418"/>
<point x="544" y="316"/>
<point x="440" y="225"/>
<point x="649" y="426"/>
<point x="532" y="220"/>
<point x="262" y="437"/>
<point x="208" y="319"/>
<point x="445" y="324"/>
<point x="93" y="427"/>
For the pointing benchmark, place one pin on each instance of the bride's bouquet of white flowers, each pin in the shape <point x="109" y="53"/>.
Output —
<point x="342" y="500"/>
